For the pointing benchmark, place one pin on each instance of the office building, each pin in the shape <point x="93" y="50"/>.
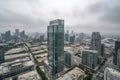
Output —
<point x="17" y="32"/>
<point x="67" y="36"/>
<point x="102" y="50"/>
<point x="41" y="38"/>
<point x="3" y="36"/>
<point x="1" y="54"/>
<point x="96" y="42"/>
<point x="56" y="46"/>
<point x="72" y="37"/>
<point x="118" y="58"/>
<point x="7" y="35"/>
<point x="117" y="46"/>
<point x="69" y="58"/>
<point x="89" y="58"/>
<point x="111" y="74"/>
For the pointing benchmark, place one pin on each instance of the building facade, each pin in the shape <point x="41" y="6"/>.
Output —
<point x="111" y="74"/>
<point x="117" y="46"/>
<point x="69" y="58"/>
<point x="2" y="58"/>
<point x="118" y="58"/>
<point x="56" y="46"/>
<point x="67" y="36"/>
<point x="96" y="42"/>
<point x="102" y="50"/>
<point x="89" y="58"/>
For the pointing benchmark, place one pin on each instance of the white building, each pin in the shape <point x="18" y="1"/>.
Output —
<point x="111" y="74"/>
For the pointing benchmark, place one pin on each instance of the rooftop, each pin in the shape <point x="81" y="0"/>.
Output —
<point x="72" y="75"/>
<point x="91" y="51"/>
<point x="7" y="66"/>
<point x="32" y="75"/>
<point x="113" y="71"/>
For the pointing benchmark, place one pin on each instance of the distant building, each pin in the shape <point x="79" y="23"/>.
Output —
<point x="89" y="58"/>
<point x="69" y="58"/>
<point x="81" y="36"/>
<point x="102" y="50"/>
<point x="67" y="36"/>
<point x="22" y="34"/>
<point x="17" y="32"/>
<point x="72" y="39"/>
<point x="2" y="57"/>
<point x="3" y="37"/>
<point x="118" y="58"/>
<point x="96" y="42"/>
<point x="117" y="46"/>
<point x="111" y="74"/>
<point x="41" y="38"/>
<point x="56" y="46"/>
<point x="7" y="35"/>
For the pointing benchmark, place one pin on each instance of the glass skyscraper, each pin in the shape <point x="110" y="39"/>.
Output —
<point x="117" y="46"/>
<point x="96" y="42"/>
<point x="55" y="35"/>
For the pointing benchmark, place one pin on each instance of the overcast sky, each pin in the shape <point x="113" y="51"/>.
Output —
<point x="79" y="15"/>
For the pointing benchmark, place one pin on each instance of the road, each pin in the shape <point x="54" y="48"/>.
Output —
<point x="31" y="57"/>
<point x="100" y="72"/>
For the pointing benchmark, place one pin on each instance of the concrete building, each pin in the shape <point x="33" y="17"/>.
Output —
<point x="74" y="74"/>
<point x="96" y="42"/>
<point x="90" y="58"/>
<point x="10" y="69"/>
<point x="56" y="46"/>
<point x="117" y="46"/>
<point x="111" y="74"/>
<point x="69" y="58"/>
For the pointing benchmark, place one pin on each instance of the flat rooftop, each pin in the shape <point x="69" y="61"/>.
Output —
<point x="14" y="50"/>
<point x="113" y="71"/>
<point x="91" y="51"/>
<point x="32" y="75"/>
<point x="5" y="67"/>
<point x="74" y="74"/>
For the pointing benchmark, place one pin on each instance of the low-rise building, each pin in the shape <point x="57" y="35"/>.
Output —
<point x="74" y="74"/>
<point x="89" y="58"/>
<point x="10" y="69"/>
<point x="111" y="74"/>
<point x="69" y="58"/>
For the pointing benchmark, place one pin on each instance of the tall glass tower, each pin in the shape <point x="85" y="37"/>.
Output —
<point x="96" y="42"/>
<point x="55" y="33"/>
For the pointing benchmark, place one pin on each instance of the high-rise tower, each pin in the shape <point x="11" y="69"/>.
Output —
<point x="56" y="46"/>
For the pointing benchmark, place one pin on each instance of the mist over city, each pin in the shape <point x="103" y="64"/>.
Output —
<point x="59" y="39"/>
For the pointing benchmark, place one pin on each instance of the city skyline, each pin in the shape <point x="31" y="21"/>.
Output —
<point x="80" y="15"/>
